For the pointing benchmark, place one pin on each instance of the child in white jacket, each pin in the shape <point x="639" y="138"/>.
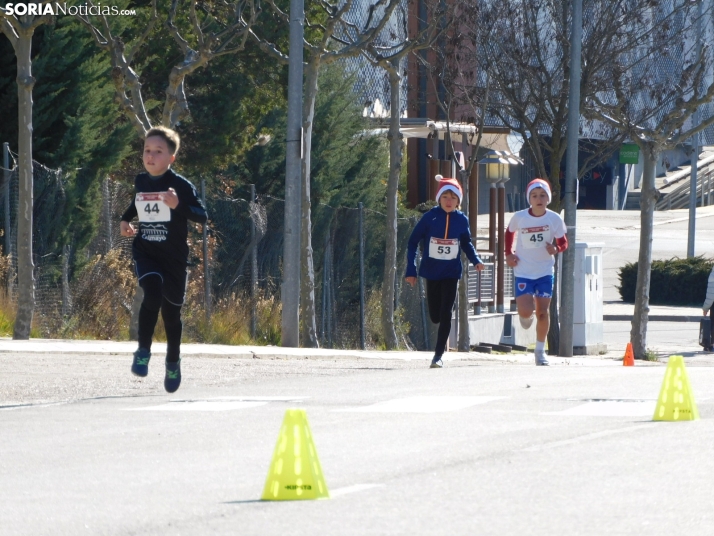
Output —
<point x="709" y="301"/>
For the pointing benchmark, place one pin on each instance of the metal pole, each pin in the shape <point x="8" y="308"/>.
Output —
<point x="473" y="201"/>
<point x="206" y="270"/>
<point x="492" y="218"/>
<point x="330" y="299"/>
<point x="6" y="190"/>
<point x="500" y="254"/>
<point x="422" y="303"/>
<point x="567" y="284"/>
<point x="325" y="276"/>
<point x="290" y="289"/>
<point x="362" y="342"/>
<point x="477" y="310"/>
<point x="253" y="269"/>
<point x="694" y="160"/>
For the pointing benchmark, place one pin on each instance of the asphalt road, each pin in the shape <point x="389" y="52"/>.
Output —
<point x="488" y="445"/>
<point x="479" y="447"/>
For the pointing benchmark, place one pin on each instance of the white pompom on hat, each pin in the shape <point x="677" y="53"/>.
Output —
<point x="448" y="184"/>
<point x="539" y="183"/>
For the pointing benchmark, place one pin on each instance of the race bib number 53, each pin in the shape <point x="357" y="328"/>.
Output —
<point x="444" y="249"/>
<point x="151" y="208"/>
<point x="536" y="237"/>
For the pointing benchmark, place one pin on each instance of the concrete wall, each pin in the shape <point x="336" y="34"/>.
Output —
<point x="497" y="328"/>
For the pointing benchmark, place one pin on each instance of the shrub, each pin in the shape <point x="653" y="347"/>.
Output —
<point x="673" y="282"/>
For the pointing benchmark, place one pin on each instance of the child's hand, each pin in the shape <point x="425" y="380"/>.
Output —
<point x="127" y="229"/>
<point x="479" y="266"/>
<point x="170" y="198"/>
<point x="411" y="280"/>
<point x="552" y="250"/>
<point x="512" y="260"/>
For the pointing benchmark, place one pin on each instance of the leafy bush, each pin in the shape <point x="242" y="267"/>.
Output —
<point x="673" y="282"/>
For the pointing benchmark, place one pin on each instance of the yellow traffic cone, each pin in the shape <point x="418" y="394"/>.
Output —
<point x="676" y="401"/>
<point x="295" y="472"/>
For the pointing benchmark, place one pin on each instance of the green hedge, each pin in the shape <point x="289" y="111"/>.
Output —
<point x="674" y="281"/>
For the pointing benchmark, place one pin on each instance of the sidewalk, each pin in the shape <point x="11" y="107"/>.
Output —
<point x="195" y="350"/>
<point x="619" y="311"/>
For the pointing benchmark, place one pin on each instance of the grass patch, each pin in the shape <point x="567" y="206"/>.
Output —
<point x="650" y="355"/>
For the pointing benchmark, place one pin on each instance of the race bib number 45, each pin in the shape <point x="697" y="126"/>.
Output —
<point x="444" y="249"/>
<point x="151" y="208"/>
<point x="536" y="237"/>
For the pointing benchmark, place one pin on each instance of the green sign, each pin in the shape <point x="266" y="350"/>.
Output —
<point x="629" y="153"/>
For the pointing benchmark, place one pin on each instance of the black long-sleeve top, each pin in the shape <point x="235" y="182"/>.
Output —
<point x="163" y="232"/>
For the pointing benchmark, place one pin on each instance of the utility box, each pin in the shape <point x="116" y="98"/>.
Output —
<point x="588" y="292"/>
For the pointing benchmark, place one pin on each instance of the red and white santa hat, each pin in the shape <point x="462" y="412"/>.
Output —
<point x="448" y="184"/>
<point x="539" y="183"/>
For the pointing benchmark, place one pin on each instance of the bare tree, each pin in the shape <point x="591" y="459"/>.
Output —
<point x="19" y="30"/>
<point x="215" y="30"/>
<point x="529" y="63"/>
<point x="654" y="90"/>
<point x="343" y="31"/>
<point x="529" y="66"/>
<point x="389" y="51"/>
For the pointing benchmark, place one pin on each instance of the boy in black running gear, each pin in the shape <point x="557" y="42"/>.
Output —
<point x="164" y="202"/>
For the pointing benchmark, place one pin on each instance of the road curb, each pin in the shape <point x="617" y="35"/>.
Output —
<point x="653" y="318"/>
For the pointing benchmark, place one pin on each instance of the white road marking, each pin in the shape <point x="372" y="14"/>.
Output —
<point x="352" y="489"/>
<point x="424" y="404"/>
<point x="587" y="437"/>
<point x="201" y="405"/>
<point x="22" y="405"/>
<point x="611" y="408"/>
<point x="221" y="403"/>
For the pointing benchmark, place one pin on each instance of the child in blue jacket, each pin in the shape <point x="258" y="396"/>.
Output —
<point x="443" y="232"/>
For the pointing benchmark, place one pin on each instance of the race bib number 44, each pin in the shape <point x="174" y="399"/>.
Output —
<point x="151" y="208"/>
<point x="444" y="249"/>
<point x="536" y="237"/>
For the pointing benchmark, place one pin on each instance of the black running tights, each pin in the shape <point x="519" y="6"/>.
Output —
<point x="149" y="314"/>
<point x="441" y="294"/>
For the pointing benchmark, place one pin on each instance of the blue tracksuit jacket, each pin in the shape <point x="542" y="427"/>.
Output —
<point x="434" y="224"/>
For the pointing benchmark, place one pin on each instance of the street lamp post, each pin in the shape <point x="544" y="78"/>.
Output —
<point x="290" y="287"/>
<point x="570" y="201"/>
<point x="497" y="175"/>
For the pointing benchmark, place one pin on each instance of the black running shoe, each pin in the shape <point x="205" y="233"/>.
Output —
<point x="436" y="362"/>
<point x="173" y="376"/>
<point x="140" y="366"/>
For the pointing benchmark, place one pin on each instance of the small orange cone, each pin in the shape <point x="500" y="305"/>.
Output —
<point x="629" y="359"/>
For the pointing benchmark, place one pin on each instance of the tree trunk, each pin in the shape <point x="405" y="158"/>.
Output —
<point x="25" y="265"/>
<point x="464" y="343"/>
<point x="307" y="273"/>
<point x="395" y="167"/>
<point x="648" y="198"/>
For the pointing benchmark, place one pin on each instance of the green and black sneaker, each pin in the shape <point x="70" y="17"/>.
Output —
<point x="436" y="362"/>
<point x="172" y="380"/>
<point x="140" y="366"/>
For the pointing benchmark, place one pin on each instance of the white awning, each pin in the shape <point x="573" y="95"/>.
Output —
<point x="510" y="142"/>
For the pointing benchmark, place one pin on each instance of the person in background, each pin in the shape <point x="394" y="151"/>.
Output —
<point x="443" y="233"/>
<point x="707" y="306"/>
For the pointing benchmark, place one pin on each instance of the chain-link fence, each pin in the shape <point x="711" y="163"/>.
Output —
<point x="235" y="269"/>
